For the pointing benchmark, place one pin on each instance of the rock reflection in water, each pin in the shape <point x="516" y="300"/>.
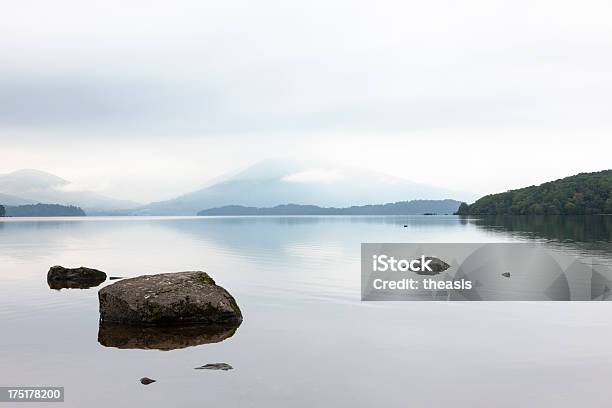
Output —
<point x="161" y="338"/>
<point x="74" y="284"/>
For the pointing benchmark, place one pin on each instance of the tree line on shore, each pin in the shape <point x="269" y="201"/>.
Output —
<point x="582" y="194"/>
<point x="41" y="210"/>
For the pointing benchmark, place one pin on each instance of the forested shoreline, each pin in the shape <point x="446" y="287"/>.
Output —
<point x="582" y="194"/>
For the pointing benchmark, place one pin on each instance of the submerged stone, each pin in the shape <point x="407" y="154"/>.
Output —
<point x="216" y="366"/>
<point x="436" y="265"/>
<point x="168" y="299"/>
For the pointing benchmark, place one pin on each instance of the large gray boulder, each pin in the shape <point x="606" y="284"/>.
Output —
<point x="168" y="299"/>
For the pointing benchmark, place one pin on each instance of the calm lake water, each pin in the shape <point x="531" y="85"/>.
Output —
<point x="306" y="340"/>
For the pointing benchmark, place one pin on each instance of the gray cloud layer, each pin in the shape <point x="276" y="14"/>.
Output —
<point x="202" y="68"/>
<point x="259" y="79"/>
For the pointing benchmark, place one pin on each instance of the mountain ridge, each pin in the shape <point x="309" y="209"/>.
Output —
<point x="24" y="180"/>
<point x="30" y="186"/>
<point x="9" y="199"/>
<point x="264" y="184"/>
<point x="270" y="182"/>
<point x="413" y="207"/>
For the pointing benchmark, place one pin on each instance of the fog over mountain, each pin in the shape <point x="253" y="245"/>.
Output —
<point x="273" y="182"/>
<point x="7" y="199"/>
<point x="30" y="186"/>
<point x="265" y="184"/>
<point x="146" y="100"/>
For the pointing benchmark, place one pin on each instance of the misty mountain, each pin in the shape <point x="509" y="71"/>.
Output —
<point x="27" y="180"/>
<point x="415" y="207"/>
<point x="34" y="186"/>
<point x="6" y="199"/>
<point x="273" y="182"/>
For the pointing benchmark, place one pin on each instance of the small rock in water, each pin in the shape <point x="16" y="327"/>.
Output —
<point x="146" y="380"/>
<point x="59" y="277"/>
<point x="506" y="274"/>
<point x="59" y="273"/>
<point x="216" y="366"/>
<point x="405" y="226"/>
<point x="436" y="265"/>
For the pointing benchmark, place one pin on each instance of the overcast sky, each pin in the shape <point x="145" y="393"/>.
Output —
<point x="147" y="99"/>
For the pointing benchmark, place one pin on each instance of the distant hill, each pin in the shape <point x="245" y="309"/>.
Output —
<point x="271" y="182"/>
<point x="44" y="210"/>
<point x="30" y="186"/>
<point x="27" y="180"/>
<point x="399" y="208"/>
<point x="7" y="199"/>
<point x="582" y="194"/>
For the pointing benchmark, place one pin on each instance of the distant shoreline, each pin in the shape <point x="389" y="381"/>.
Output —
<point x="94" y="218"/>
<point x="414" y="207"/>
<point x="42" y="210"/>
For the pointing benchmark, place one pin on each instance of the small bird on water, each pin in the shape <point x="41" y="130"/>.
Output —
<point x="146" y="380"/>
